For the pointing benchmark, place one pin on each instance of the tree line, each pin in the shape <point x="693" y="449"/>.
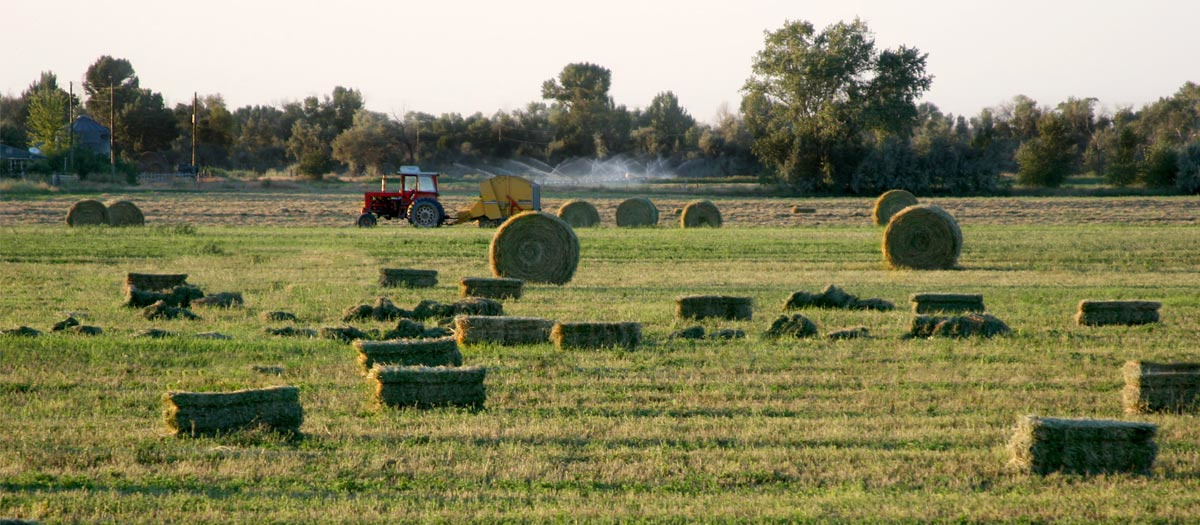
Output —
<point x="824" y="111"/>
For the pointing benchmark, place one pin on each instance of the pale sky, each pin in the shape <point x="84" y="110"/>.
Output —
<point x="442" y="56"/>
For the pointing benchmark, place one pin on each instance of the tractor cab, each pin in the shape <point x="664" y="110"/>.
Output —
<point x="415" y="199"/>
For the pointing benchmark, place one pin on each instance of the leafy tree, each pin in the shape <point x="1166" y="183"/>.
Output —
<point x="1047" y="159"/>
<point x="47" y="124"/>
<point x="12" y="121"/>
<point x="1161" y="167"/>
<point x="582" y="111"/>
<point x="664" y="126"/>
<point x="261" y="138"/>
<point x="1122" y="161"/>
<point x="143" y="123"/>
<point x="310" y="151"/>
<point x="216" y="130"/>
<point x="373" y="143"/>
<point x="1188" y="178"/>
<point x="816" y="99"/>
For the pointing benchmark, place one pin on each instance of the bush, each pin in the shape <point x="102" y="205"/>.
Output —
<point x="1161" y="167"/>
<point x="1188" y="178"/>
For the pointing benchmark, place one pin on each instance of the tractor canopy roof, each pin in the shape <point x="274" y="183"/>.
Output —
<point x="415" y="170"/>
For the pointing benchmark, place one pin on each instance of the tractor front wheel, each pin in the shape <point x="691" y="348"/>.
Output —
<point x="426" y="213"/>
<point x="366" y="220"/>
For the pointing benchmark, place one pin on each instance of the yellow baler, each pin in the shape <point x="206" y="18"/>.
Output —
<point x="500" y="198"/>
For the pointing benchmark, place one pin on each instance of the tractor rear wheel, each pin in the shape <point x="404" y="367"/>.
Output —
<point x="366" y="220"/>
<point x="426" y="213"/>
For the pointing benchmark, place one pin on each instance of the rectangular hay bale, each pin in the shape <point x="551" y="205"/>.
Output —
<point x="396" y="277"/>
<point x="154" y="282"/>
<point x="1083" y="446"/>
<point x="502" y="330"/>
<point x="946" y="302"/>
<point x="205" y="413"/>
<point x="1161" y="387"/>
<point x="1102" y="313"/>
<point x="429" y="387"/>
<point x="596" y="335"/>
<point x="718" y="306"/>
<point x="442" y="351"/>
<point x="491" y="288"/>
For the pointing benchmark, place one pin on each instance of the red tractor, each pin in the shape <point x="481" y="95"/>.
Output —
<point x="416" y="201"/>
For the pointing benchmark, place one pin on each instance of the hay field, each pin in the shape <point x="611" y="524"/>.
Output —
<point x="879" y="429"/>
<point x="336" y="206"/>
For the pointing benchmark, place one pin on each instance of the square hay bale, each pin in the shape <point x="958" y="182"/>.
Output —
<point x="429" y="387"/>
<point x="408" y="352"/>
<point x="946" y="302"/>
<point x="719" y="306"/>
<point x="502" y="330"/>
<point x="207" y="413"/>
<point x="154" y="282"/>
<point x="181" y="295"/>
<point x="396" y="277"/>
<point x="1161" y="387"/>
<point x="970" y="325"/>
<point x="491" y="288"/>
<point x="1083" y="446"/>
<point x="1101" y="313"/>
<point x="429" y="309"/>
<point x="596" y="335"/>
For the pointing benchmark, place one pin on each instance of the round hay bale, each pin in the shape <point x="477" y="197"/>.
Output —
<point x="700" y="213"/>
<point x="922" y="238"/>
<point x="890" y="203"/>
<point x="535" y="246"/>
<point x="638" y="211"/>
<point x="87" y="212"/>
<point x="579" y="214"/>
<point x="124" y="213"/>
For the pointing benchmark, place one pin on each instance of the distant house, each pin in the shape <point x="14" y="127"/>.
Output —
<point x="91" y="135"/>
<point x="15" y="160"/>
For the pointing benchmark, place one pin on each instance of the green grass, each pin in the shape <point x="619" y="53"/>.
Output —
<point x="883" y="429"/>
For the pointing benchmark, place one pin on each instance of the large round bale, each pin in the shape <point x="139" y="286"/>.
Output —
<point x="890" y="203"/>
<point x="700" y="213"/>
<point x="596" y="335"/>
<point x="87" y="212"/>
<point x="408" y="352"/>
<point x="124" y="213"/>
<point x="535" y="246"/>
<point x="579" y="214"/>
<point x="638" y="211"/>
<point x="922" y="237"/>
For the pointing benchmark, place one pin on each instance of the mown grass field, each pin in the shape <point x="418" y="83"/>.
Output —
<point x="884" y="429"/>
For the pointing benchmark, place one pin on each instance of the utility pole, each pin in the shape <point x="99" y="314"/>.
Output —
<point x="195" y="171"/>
<point x="71" y="124"/>
<point x="112" y="134"/>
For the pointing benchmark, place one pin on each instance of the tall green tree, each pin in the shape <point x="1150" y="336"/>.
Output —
<point x="815" y="99"/>
<point x="374" y="143"/>
<point x="1048" y="158"/>
<point x="664" y="126"/>
<point x="582" y="109"/>
<point x="143" y="124"/>
<point x="48" y="122"/>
